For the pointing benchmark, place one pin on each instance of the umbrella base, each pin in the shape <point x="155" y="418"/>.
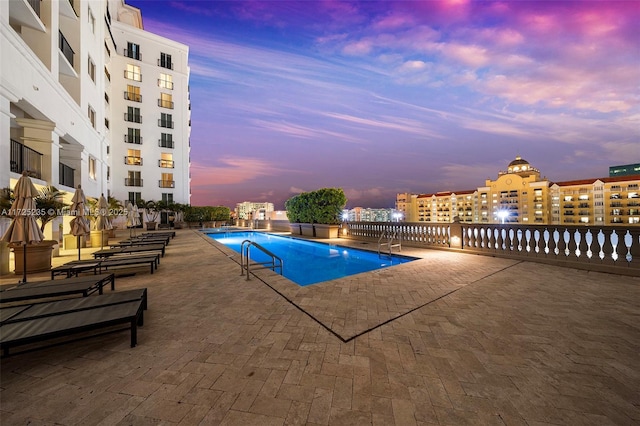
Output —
<point x="38" y="257"/>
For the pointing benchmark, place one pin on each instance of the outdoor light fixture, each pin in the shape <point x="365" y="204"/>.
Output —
<point x="503" y="214"/>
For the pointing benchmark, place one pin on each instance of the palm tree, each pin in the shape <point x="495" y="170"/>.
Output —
<point x="49" y="204"/>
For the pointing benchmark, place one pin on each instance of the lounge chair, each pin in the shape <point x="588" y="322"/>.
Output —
<point x="43" y="321"/>
<point x="129" y="250"/>
<point x="98" y="265"/>
<point x="54" y="288"/>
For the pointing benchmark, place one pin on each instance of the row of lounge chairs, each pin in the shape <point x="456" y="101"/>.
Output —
<point x="37" y="312"/>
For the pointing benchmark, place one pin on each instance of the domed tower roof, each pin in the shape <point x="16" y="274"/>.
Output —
<point x="521" y="167"/>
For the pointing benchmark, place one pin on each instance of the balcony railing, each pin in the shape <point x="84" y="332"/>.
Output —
<point x="133" y="139"/>
<point x="165" y="143"/>
<point x="167" y="183"/>
<point x="167" y="164"/>
<point x="25" y="159"/>
<point x="165" y="64"/>
<point x="165" y="123"/>
<point x="134" y="118"/>
<point x="133" y="54"/>
<point x="65" y="175"/>
<point x="133" y="161"/>
<point x="613" y="249"/>
<point x="35" y="5"/>
<point x="132" y="182"/>
<point x="65" y="48"/>
<point x="131" y="96"/>
<point x="165" y="104"/>
<point x="130" y="75"/>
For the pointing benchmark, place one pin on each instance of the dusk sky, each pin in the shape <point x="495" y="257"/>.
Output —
<point x="401" y="96"/>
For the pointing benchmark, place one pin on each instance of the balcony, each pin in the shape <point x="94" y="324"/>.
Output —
<point x="65" y="175"/>
<point x="131" y="96"/>
<point x="132" y="182"/>
<point x="134" y="118"/>
<point x="133" y="161"/>
<point x="166" y="164"/>
<point x="130" y="75"/>
<point x="165" y="104"/>
<point x="26" y="13"/>
<point x="165" y="123"/>
<point x="133" y="139"/>
<point x="66" y="60"/>
<point x="165" y="64"/>
<point x="165" y="143"/>
<point x="25" y="159"/>
<point x="167" y="183"/>
<point x="133" y="54"/>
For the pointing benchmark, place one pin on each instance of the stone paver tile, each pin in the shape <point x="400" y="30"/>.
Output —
<point x="268" y="406"/>
<point x="321" y="406"/>
<point x="298" y="413"/>
<point x="404" y="412"/>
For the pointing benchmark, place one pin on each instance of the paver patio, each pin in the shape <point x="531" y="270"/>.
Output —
<point x="449" y="339"/>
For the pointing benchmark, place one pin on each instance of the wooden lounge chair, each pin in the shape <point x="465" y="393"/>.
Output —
<point x="43" y="321"/>
<point x="129" y="250"/>
<point x="76" y="267"/>
<point x="83" y="286"/>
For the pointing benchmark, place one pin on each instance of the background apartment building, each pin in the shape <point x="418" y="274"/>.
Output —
<point x="251" y="210"/>
<point x="65" y="66"/>
<point x="361" y="214"/>
<point x="520" y="195"/>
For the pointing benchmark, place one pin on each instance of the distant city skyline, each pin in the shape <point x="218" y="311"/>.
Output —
<point x="381" y="98"/>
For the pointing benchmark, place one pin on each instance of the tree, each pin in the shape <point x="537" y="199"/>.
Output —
<point x="323" y="206"/>
<point x="49" y="203"/>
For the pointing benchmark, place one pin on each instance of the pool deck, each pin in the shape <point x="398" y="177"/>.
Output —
<point x="450" y="339"/>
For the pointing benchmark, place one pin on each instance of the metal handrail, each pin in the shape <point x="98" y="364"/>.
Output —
<point x="390" y="241"/>
<point x="245" y="258"/>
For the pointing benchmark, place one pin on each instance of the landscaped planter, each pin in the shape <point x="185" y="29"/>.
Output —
<point x="295" y="228"/>
<point x="38" y="256"/>
<point x="326" y="231"/>
<point x="95" y="238"/>
<point x="307" y="229"/>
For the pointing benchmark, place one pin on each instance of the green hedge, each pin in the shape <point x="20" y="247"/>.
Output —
<point x="322" y="206"/>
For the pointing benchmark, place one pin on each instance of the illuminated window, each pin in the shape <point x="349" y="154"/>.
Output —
<point x="133" y="73"/>
<point x="92" y="168"/>
<point x="165" y="81"/>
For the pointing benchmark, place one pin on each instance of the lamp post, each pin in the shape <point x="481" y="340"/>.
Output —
<point x="503" y="215"/>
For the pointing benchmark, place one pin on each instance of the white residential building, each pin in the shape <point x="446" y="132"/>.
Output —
<point x="72" y="74"/>
<point x="251" y="210"/>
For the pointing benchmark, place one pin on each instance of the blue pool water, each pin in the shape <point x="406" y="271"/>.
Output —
<point x="309" y="262"/>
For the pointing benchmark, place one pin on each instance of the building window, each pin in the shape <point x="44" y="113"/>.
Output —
<point x="133" y="72"/>
<point x="108" y="173"/>
<point x="92" y="22"/>
<point x="166" y="120"/>
<point x="165" y="61"/>
<point x="133" y="93"/>
<point x="166" y="140"/>
<point x="91" y="69"/>
<point x="135" y="197"/>
<point x="167" y="198"/>
<point x="165" y="101"/>
<point x="166" y="160"/>
<point x="133" y="115"/>
<point x="133" y="136"/>
<point x="92" y="168"/>
<point x="165" y="81"/>
<point x="133" y="51"/>
<point x="167" y="181"/>
<point x="92" y="116"/>
<point x="107" y="73"/>
<point x="133" y="179"/>
<point x="106" y="122"/>
<point x="133" y="158"/>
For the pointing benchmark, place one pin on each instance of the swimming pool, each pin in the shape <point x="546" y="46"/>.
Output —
<point x="309" y="262"/>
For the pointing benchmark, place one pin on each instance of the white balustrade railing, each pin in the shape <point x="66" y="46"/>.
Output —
<point x="602" y="248"/>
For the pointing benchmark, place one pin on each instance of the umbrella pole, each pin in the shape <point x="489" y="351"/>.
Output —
<point x="78" y="247"/>
<point x="24" y="263"/>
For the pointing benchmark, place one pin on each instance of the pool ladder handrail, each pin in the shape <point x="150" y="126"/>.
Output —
<point x="245" y="258"/>
<point x="392" y="241"/>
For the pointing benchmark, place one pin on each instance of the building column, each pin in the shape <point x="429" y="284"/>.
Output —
<point x="38" y="135"/>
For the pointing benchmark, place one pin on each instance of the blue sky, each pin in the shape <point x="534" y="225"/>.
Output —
<point x="385" y="97"/>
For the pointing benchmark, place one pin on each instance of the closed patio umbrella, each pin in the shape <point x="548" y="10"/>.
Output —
<point x="79" y="224"/>
<point x="23" y="228"/>
<point x="133" y="217"/>
<point x="102" y="221"/>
